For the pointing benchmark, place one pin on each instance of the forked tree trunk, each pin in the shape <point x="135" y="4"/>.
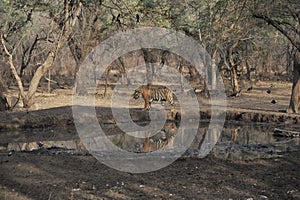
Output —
<point x="294" y="101"/>
<point x="28" y="99"/>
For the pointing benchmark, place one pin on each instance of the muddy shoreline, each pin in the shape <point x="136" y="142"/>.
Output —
<point x="62" y="116"/>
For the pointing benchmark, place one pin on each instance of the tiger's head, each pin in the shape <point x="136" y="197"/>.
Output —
<point x="137" y="94"/>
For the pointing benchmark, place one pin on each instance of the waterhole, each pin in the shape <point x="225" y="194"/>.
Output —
<point x="236" y="141"/>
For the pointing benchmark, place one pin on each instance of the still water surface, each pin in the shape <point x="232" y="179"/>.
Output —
<point x="236" y="141"/>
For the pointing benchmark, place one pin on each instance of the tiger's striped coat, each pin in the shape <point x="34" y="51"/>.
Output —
<point x="152" y="93"/>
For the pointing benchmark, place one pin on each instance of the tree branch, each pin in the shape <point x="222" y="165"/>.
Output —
<point x="277" y="25"/>
<point x="12" y="67"/>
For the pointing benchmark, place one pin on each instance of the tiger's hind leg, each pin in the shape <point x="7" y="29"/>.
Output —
<point x="171" y="101"/>
<point x="149" y="107"/>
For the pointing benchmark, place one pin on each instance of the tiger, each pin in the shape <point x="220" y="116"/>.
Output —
<point x="151" y="145"/>
<point x="152" y="93"/>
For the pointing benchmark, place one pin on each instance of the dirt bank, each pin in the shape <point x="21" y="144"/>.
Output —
<point x="64" y="176"/>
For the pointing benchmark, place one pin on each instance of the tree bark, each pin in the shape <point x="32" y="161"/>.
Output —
<point x="13" y="69"/>
<point x="28" y="101"/>
<point x="294" y="101"/>
<point x="3" y="101"/>
<point x="122" y="70"/>
<point x="234" y="80"/>
<point x="213" y="74"/>
<point x="149" y="65"/>
<point x="106" y="80"/>
<point x="234" y="77"/>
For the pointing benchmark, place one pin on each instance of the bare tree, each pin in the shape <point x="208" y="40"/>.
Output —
<point x="63" y="33"/>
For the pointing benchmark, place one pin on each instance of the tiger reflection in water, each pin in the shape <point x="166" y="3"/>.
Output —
<point x="152" y="93"/>
<point x="162" y="140"/>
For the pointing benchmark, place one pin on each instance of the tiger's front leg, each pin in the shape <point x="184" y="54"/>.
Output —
<point x="147" y="102"/>
<point x="147" y="105"/>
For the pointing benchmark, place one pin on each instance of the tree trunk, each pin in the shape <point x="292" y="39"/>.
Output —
<point x="13" y="69"/>
<point x="249" y="70"/>
<point x="294" y="101"/>
<point x="232" y="65"/>
<point x="28" y="100"/>
<point x="234" y="80"/>
<point x="148" y="58"/>
<point x="3" y="101"/>
<point x="181" y="75"/>
<point x="122" y="70"/>
<point x="213" y="74"/>
<point x="106" y="80"/>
